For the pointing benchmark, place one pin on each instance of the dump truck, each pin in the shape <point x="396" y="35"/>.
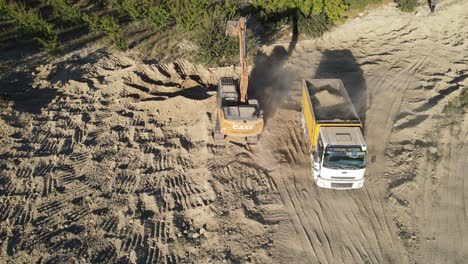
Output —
<point x="236" y="114"/>
<point x="333" y="133"/>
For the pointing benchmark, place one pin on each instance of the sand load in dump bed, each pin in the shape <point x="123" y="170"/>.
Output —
<point x="330" y="101"/>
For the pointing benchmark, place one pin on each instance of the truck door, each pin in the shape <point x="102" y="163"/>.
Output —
<point x="318" y="156"/>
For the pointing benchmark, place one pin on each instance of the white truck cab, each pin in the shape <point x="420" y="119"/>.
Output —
<point x="339" y="159"/>
<point x="333" y="133"/>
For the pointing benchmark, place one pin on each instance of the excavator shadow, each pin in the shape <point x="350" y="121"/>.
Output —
<point x="270" y="78"/>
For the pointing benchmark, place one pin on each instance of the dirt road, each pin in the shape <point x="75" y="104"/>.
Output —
<point x="109" y="158"/>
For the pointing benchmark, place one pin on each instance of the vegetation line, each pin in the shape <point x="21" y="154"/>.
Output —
<point x="203" y="21"/>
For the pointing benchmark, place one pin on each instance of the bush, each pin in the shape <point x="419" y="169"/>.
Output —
<point x="189" y="14"/>
<point x="65" y="11"/>
<point x="133" y="8"/>
<point x="331" y="8"/>
<point x="3" y="5"/>
<point x="357" y="4"/>
<point x="92" y="21"/>
<point x="108" y="25"/>
<point x="31" y="23"/>
<point x="159" y="15"/>
<point x="230" y="8"/>
<point x="217" y="49"/>
<point x="28" y="21"/>
<point x="313" y="25"/>
<point x="407" y="5"/>
<point x="278" y="6"/>
<point x="111" y="27"/>
<point x="49" y="47"/>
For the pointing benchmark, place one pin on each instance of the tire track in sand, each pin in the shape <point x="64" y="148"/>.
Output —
<point x="346" y="226"/>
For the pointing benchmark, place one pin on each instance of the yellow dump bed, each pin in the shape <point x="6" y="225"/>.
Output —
<point x="325" y="103"/>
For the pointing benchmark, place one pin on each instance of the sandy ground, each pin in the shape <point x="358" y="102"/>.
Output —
<point x="108" y="159"/>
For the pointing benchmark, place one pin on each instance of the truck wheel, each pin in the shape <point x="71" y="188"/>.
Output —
<point x="252" y="140"/>
<point x="303" y="124"/>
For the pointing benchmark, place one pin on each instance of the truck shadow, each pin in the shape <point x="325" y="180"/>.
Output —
<point x="341" y="64"/>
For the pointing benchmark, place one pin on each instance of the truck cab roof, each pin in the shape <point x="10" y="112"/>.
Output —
<point x="342" y="137"/>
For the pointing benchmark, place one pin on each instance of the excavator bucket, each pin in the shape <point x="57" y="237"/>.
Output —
<point x="232" y="28"/>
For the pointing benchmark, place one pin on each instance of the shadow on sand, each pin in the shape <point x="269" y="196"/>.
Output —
<point x="17" y="87"/>
<point x="270" y="78"/>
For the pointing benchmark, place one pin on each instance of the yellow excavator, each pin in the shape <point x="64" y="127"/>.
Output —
<point x="236" y="115"/>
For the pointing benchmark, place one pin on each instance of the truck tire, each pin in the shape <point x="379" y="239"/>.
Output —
<point x="252" y="140"/>
<point x="303" y="124"/>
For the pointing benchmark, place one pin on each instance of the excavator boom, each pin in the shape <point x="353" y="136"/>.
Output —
<point x="239" y="28"/>
<point x="237" y="115"/>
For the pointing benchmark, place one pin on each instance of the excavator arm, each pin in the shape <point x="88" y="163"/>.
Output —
<point x="239" y="28"/>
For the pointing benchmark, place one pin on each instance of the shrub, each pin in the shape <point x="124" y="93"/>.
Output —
<point x="65" y="11"/>
<point x="355" y="4"/>
<point x="3" y="4"/>
<point x="159" y="15"/>
<point x="407" y="5"/>
<point x="230" y="8"/>
<point x="135" y="9"/>
<point x="111" y="27"/>
<point x="28" y="20"/>
<point x="189" y="14"/>
<point x="313" y="25"/>
<point x="31" y="23"/>
<point x="48" y="46"/>
<point x="108" y="25"/>
<point x="92" y="21"/>
<point x="217" y="49"/>
<point x="275" y="6"/>
<point x="331" y="8"/>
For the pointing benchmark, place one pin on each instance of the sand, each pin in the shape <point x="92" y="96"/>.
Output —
<point x="108" y="159"/>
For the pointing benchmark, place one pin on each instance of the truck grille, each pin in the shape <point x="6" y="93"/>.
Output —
<point x="342" y="178"/>
<point x="341" y="185"/>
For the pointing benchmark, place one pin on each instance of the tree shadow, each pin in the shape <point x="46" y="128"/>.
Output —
<point x="17" y="87"/>
<point x="341" y="64"/>
<point x="270" y="78"/>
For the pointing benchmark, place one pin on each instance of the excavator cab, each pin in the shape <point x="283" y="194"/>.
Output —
<point x="236" y="119"/>
<point x="236" y="115"/>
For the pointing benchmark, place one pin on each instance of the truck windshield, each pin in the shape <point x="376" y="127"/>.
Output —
<point x="344" y="159"/>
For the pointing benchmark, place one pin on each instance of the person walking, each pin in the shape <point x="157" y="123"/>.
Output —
<point x="433" y="5"/>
